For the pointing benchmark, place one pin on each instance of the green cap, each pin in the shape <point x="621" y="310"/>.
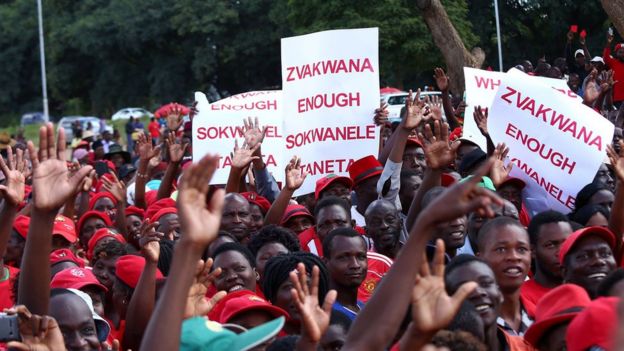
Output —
<point x="485" y="182"/>
<point x="199" y="334"/>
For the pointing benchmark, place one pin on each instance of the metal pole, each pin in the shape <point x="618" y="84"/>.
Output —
<point x="44" y="84"/>
<point x="498" y="37"/>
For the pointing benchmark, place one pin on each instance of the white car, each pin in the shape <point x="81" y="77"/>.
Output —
<point x="126" y="113"/>
<point x="396" y="101"/>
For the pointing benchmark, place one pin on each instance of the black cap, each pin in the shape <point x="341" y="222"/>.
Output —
<point x="471" y="160"/>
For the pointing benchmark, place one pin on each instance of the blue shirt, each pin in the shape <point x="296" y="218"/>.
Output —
<point x="347" y="312"/>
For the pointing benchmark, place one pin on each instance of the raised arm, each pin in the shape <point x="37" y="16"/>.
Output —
<point x="50" y="172"/>
<point x="481" y="119"/>
<point x="616" y="219"/>
<point x="295" y="176"/>
<point x="442" y="81"/>
<point x="176" y="153"/>
<point x="142" y="302"/>
<point x="118" y="189"/>
<point x="386" y="308"/>
<point x="200" y="225"/>
<point x="146" y="152"/>
<point x="241" y="159"/>
<point x="12" y="193"/>
<point x="439" y="153"/>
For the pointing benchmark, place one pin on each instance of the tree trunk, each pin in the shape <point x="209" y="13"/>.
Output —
<point x="615" y="11"/>
<point x="450" y="44"/>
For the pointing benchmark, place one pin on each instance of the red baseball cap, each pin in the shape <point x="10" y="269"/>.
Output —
<point x="129" y="268"/>
<point x="159" y="205"/>
<point x="257" y="200"/>
<point x="90" y="214"/>
<point x="215" y="313"/>
<point x="324" y="182"/>
<point x="151" y="197"/>
<point x="602" y="232"/>
<point x="75" y="278"/>
<point x="517" y="182"/>
<point x="134" y="211"/>
<point x="295" y="211"/>
<point x="595" y="326"/>
<point x="65" y="255"/>
<point x="364" y="168"/>
<point x="162" y="212"/>
<point x="413" y="142"/>
<point x="99" y="235"/>
<point x="246" y="303"/>
<point x="65" y="227"/>
<point x="100" y="195"/>
<point x="558" y="306"/>
<point x="455" y="134"/>
<point x="447" y="180"/>
<point x="21" y="224"/>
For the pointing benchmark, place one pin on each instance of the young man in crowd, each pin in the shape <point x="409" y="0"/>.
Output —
<point x="547" y="232"/>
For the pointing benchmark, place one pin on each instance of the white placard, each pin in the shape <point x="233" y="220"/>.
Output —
<point x="217" y="125"/>
<point x="556" y="146"/>
<point x="330" y="82"/>
<point x="481" y="87"/>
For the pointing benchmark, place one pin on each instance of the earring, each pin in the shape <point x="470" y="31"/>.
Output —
<point x="257" y="276"/>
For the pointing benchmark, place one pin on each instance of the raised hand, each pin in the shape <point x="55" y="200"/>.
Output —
<point x="414" y="112"/>
<point x="381" y="115"/>
<point x="439" y="153"/>
<point x="463" y="198"/>
<point x="176" y="150"/>
<point x="144" y="148"/>
<point x="314" y="318"/>
<point x="196" y="302"/>
<point x="432" y="308"/>
<point x="175" y="117"/>
<point x="254" y="135"/>
<point x="52" y="184"/>
<point x="499" y="171"/>
<point x="435" y="108"/>
<point x="242" y="157"/>
<point x="295" y="175"/>
<point x="617" y="160"/>
<point x="481" y="118"/>
<point x="13" y="190"/>
<point x="115" y="187"/>
<point x="199" y="223"/>
<point x="40" y="333"/>
<point x="441" y="79"/>
<point x="149" y="240"/>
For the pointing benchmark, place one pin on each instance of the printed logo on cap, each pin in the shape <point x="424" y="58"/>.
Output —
<point x="77" y="272"/>
<point x="255" y="298"/>
<point x="213" y="326"/>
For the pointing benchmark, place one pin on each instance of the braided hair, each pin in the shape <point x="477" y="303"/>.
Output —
<point x="278" y="268"/>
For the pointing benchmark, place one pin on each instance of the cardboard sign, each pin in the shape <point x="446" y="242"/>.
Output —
<point x="556" y="146"/>
<point x="217" y="125"/>
<point x="481" y="87"/>
<point x="330" y="82"/>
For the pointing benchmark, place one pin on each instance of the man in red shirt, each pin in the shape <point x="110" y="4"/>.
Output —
<point x="547" y="231"/>
<point x="616" y="63"/>
<point x="331" y="213"/>
<point x="154" y="129"/>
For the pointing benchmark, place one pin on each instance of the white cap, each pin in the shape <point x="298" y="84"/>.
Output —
<point x="579" y="51"/>
<point x="597" y="59"/>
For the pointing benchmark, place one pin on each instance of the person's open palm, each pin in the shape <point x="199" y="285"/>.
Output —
<point x="144" y="148"/>
<point x="253" y="133"/>
<point x="176" y="150"/>
<point x="314" y="318"/>
<point x="441" y="79"/>
<point x="38" y="333"/>
<point x="432" y="308"/>
<point x="499" y="171"/>
<point x="199" y="221"/>
<point x="52" y="183"/>
<point x="196" y="302"/>
<point x="295" y="175"/>
<point x="481" y="118"/>
<point x="114" y="186"/>
<point x="13" y="190"/>
<point x="439" y="153"/>
<point x="414" y="111"/>
<point x="243" y="156"/>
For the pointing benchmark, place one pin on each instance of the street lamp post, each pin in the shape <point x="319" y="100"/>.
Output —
<point x="44" y="84"/>
<point x="498" y="37"/>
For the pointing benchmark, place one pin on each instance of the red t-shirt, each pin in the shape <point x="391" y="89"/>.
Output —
<point x="378" y="265"/>
<point x="154" y="129"/>
<point x="6" y="287"/>
<point x="618" y="74"/>
<point x="530" y="294"/>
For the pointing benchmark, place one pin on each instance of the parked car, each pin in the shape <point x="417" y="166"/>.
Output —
<point x="33" y="118"/>
<point x="396" y="101"/>
<point x="126" y="113"/>
<point x="98" y="125"/>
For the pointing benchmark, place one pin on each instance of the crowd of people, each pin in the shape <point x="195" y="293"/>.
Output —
<point x="426" y="246"/>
